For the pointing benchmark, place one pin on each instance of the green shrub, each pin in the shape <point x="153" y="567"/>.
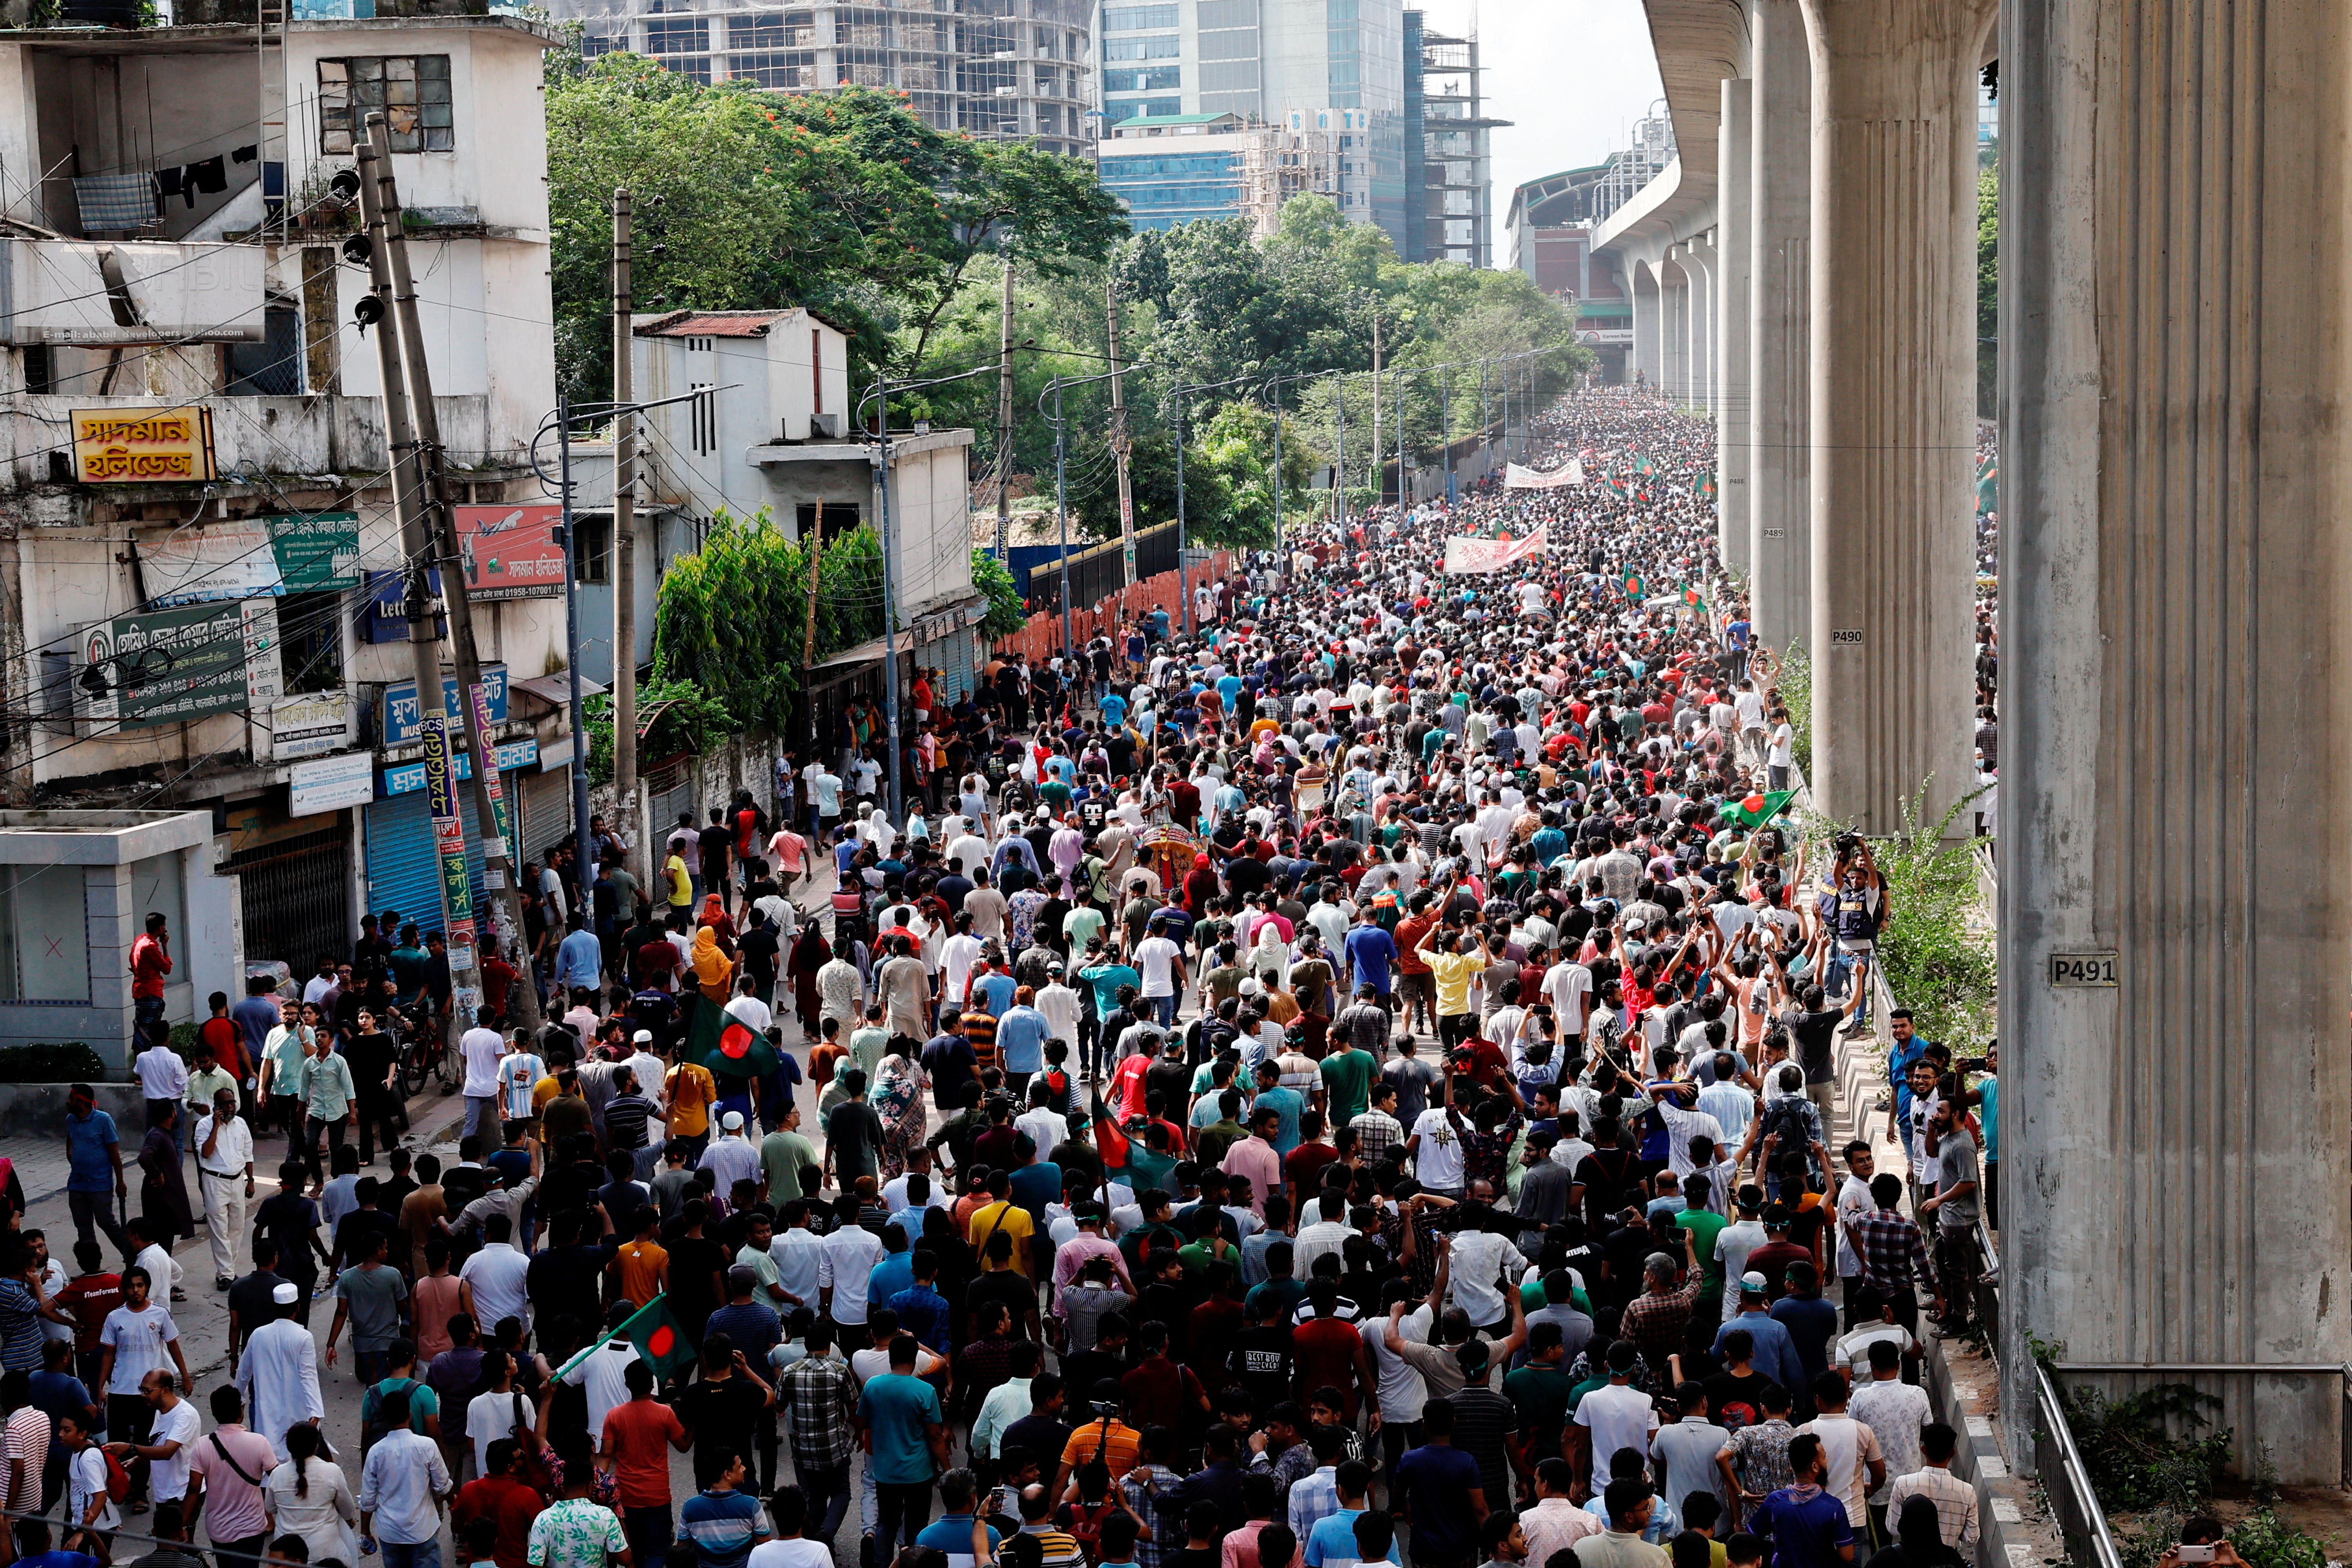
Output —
<point x="1935" y="952"/>
<point x="2265" y="1540"/>
<point x="72" y="1062"/>
<point x="1795" y="681"/>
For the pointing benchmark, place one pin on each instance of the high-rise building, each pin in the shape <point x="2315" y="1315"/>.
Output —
<point x="991" y="68"/>
<point x="1330" y="68"/>
<point x="1172" y="169"/>
<point x="1448" y="159"/>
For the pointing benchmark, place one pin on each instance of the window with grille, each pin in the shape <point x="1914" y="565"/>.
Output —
<point x="594" y="549"/>
<point x="412" y="90"/>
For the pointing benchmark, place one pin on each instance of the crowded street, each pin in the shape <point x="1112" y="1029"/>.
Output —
<point x="1356" y="1074"/>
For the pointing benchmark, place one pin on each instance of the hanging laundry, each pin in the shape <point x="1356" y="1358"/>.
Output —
<point x="115" y="200"/>
<point x="245" y="154"/>
<point x="169" y="182"/>
<point x="210" y="176"/>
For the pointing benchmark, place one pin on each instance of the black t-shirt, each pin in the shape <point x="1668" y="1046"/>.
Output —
<point x="370" y="1058"/>
<point x="352" y="1231"/>
<point x="693" y="1259"/>
<point x="1733" y="1403"/>
<point x="291" y="1220"/>
<point x="760" y="949"/>
<point x="1039" y="1435"/>
<point x="253" y="1301"/>
<point x="1815" y="1037"/>
<point x="1262" y="1362"/>
<point x="566" y="1281"/>
<point x="1005" y="1285"/>
<point x="721" y="1414"/>
<point x="717" y="842"/>
<point x="1248" y="875"/>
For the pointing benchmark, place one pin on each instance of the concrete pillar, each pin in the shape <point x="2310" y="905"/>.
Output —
<point x="1673" y="289"/>
<point x="1893" y="400"/>
<point x="1733" y="202"/>
<point x="1698" y="255"/>
<point x="1642" y="284"/>
<point x="1780" y="405"/>
<point x="2177" y="610"/>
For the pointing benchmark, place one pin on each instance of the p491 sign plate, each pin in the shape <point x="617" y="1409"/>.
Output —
<point x="2082" y="969"/>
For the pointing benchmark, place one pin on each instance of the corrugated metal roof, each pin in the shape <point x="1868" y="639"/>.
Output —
<point x="712" y="324"/>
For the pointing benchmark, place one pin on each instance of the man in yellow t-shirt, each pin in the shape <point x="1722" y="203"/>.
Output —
<point x="1002" y="1213"/>
<point x="1453" y="969"/>
<point x="679" y="882"/>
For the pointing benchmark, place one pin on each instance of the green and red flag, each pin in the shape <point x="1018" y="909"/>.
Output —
<point x="1691" y="597"/>
<point x="1632" y="587"/>
<point x="659" y="1337"/>
<point x="1705" y="485"/>
<point x="1759" y="808"/>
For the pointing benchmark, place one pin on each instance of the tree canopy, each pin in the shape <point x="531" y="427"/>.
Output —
<point x="844" y="202"/>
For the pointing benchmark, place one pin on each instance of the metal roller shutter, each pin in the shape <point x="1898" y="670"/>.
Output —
<point x="957" y="660"/>
<point x="546" y="811"/>
<point x="403" y="872"/>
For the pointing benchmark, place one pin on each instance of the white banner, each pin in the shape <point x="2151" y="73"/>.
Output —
<point x="1516" y="477"/>
<point x="1466" y="556"/>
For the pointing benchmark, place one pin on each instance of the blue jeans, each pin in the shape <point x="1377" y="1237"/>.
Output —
<point x="411" y="1554"/>
<point x="1164" y="1009"/>
<point x="828" y="1499"/>
<point x="1840" y="982"/>
<point x="648" y="1532"/>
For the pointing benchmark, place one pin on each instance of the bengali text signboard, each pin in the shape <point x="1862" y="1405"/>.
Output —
<point x="510" y="551"/>
<point x="134" y="445"/>
<point x="181" y="664"/>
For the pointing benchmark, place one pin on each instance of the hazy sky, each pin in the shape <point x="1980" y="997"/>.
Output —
<point x="1572" y="75"/>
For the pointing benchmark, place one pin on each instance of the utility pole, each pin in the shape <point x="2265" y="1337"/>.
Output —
<point x="1339" y="468"/>
<point x="625" y="549"/>
<point x="1379" y="486"/>
<point x="1119" y="446"/>
<point x="815" y="545"/>
<point x="412" y="506"/>
<point x="1183" y="577"/>
<point x="1005" y="423"/>
<point x="1062" y="511"/>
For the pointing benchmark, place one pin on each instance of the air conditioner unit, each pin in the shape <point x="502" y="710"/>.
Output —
<point x="825" y="425"/>
<point x="1008" y="92"/>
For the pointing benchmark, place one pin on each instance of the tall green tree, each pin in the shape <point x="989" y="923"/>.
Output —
<point x="1989" y="293"/>
<point x="846" y="203"/>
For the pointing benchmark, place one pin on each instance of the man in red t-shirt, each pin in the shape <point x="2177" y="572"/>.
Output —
<point x="506" y="1500"/>
<point x="1329" y="1352"/>
<point x="638" y="1438"/>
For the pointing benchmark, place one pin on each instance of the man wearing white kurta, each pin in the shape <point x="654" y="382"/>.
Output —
<point x="225" y="1176"/>
<point x="278" y="1375"/>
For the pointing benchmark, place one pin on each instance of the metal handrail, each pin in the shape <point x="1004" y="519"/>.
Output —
<point x="2080" y="1517"/>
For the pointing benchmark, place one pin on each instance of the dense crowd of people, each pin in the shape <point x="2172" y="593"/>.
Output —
<point x="1349" y="1077"/>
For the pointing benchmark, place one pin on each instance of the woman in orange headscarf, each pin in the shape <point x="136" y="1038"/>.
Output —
<point x="715" y="918"/>
<point x="711" y="972"/>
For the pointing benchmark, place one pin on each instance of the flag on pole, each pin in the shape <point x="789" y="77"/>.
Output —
<point x="1109" y="1141"/>
<point x="1704" y="486"/>
<point x="1759" y="809"/>
<point x="1691" y="597"/>
<point x="659" y="1337"/>
<point x="1632" y="587"/>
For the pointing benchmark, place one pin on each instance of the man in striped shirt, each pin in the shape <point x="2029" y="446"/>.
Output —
<point x="1955" y="1500"/>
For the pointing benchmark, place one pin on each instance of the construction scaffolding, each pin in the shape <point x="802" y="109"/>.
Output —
<point x="996" y="69"/>
<point x="1277" y="163"/>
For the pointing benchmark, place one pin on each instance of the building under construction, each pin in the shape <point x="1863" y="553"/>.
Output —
<point x="991" y="67"/>
<point x="1178" y="168"/>
<point x="1448" y="155"/>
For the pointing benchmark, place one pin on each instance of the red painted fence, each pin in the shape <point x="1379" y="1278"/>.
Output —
<point x="1042" y="638"/>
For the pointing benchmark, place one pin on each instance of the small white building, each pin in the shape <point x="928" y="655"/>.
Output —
<point x="777" y="425"/>
<point x="76" y="889"/>
<point x="201" y="600"/>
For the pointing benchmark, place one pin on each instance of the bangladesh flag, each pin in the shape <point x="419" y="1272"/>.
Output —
<point x="1645" y="467"/>
<point x="659" y="1337"/>
<point x="1690" y="596"/>
<point x="1757" y="809"/>
<point x="1109" y="1141"/>
<point x="1632" y="587"/>
<point x="1705" y="485"/>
